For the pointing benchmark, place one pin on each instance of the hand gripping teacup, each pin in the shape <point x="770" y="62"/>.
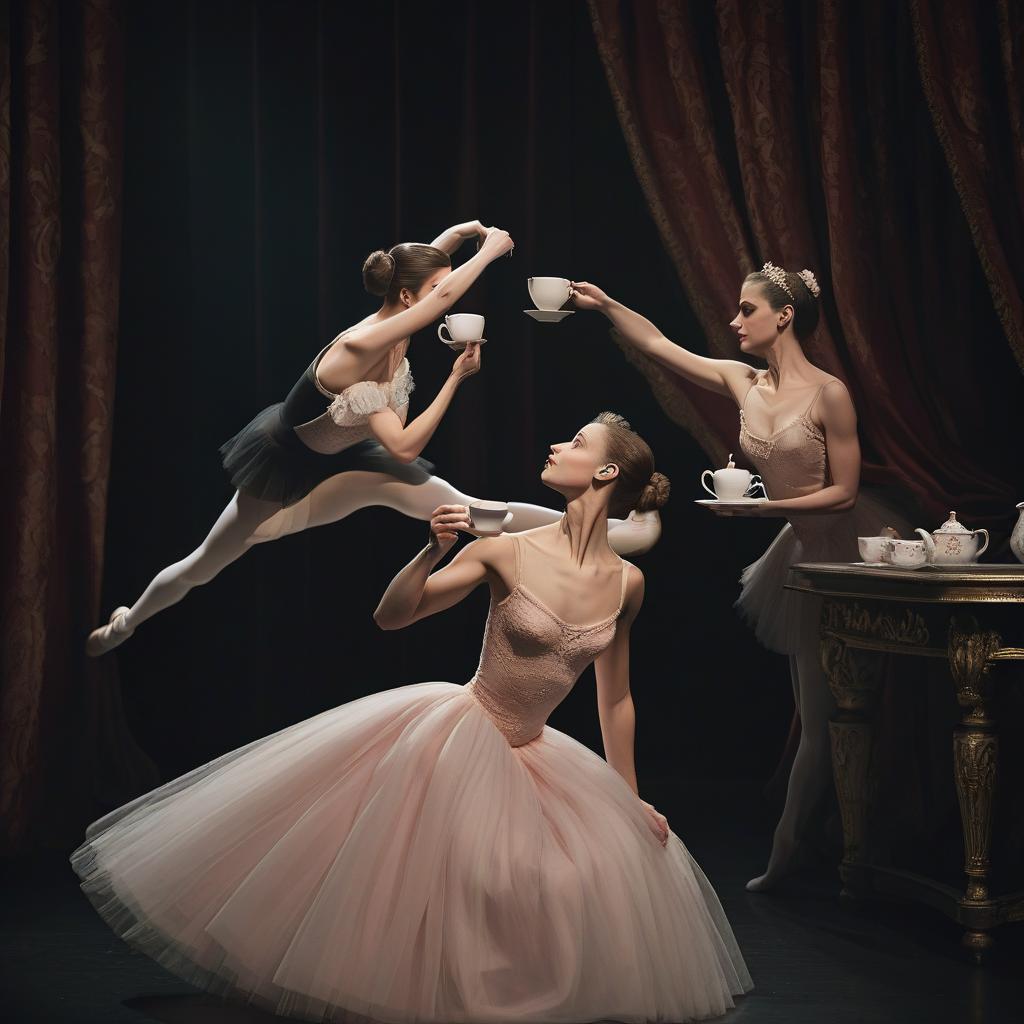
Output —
<point x="489" y="516"/>
<point x="461" y="329"/>
<point x="548" y="292"/>
<point x="731" y="484"/>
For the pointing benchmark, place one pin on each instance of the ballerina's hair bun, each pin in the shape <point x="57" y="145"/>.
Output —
<point x="655" y="493"/>
<point x="637" y="485"/>
<point x="378" y="270"/>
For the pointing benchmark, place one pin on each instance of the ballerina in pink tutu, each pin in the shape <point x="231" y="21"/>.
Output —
<point x="437" y="852"/>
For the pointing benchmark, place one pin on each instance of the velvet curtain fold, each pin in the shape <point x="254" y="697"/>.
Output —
<point x="969" y="56"/>
<point x="800" y="133"/>
<point x="62" y="735"/>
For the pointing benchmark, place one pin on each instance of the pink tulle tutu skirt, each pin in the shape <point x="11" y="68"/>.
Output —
<point x="396" y="860"/>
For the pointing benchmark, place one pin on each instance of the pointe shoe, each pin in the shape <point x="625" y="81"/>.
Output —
<point x="106" y="638"/>
<point x="781" y="862"/>
<point x="636" y="534"/>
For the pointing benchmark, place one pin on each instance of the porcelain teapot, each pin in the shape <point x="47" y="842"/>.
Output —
<point x="955" y="544"/>
<point x="1017" y="537"/>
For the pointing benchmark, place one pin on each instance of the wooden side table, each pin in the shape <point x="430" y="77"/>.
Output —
<point x="960" y="613"/>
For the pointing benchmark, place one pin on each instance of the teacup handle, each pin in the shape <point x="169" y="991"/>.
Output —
<point x="703" y="480"/>
<point x="984" y="546"/>
<point x="755" y="482"/>
<point x="444" y="327"/>
<point x="508" y="519"/>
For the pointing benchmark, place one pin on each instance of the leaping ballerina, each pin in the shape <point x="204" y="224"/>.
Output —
<point x="340" y="441"/>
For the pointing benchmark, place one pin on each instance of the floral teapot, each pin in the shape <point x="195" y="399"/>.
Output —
<point x="955" y="544"/>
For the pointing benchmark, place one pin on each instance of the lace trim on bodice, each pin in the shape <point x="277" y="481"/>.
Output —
<point x="763" y="447"/>
<point x="523" y="676"/>
<point x="345" y="421"/>
<point x="359" y="401"/>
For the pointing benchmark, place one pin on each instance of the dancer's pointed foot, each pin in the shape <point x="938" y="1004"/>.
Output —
<point x="636" y="534"/>
<point x="113" y="634"/>
<point x="780" y="863"/>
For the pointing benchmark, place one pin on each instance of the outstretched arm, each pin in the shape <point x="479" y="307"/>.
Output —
<point x="452" y="238"/>
<point x="368" y="342"/>
<point x="405" y="442"/>
<point x="615" y="702"/>
<point x="725" y="376"/>
<point x="416" y="592"/>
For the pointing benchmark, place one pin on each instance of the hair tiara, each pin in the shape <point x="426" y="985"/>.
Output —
<point x="777" y="276"/>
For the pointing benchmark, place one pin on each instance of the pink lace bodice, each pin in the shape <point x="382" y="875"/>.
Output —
<point x="531" y="658"/>
<point x="793" y="462"/>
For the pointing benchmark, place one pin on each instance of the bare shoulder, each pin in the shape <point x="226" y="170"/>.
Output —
<point x="494" y="553"/>
<point x="835" y="398"/>
<point x="634" y="587"/>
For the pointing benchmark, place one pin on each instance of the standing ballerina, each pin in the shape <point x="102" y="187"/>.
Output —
<point x="340" y="441"/>
<point x="799" y="428"/>
<point x="437" y="853"/>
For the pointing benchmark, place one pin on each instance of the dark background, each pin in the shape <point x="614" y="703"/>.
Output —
<point x="269" y="148"/>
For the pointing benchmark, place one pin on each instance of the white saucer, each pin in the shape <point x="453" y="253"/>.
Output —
<point x="734" y="503"/>
<point x="549" y="316"/>
<point x="458" y="346"/>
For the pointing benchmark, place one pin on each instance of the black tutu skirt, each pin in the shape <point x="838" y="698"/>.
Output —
<point x="267" y="460"/>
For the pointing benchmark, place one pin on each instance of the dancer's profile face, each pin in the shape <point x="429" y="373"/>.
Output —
<point x="426" y="288"/>
<point x="756" y="324"/>
<point x="573" y="466"/>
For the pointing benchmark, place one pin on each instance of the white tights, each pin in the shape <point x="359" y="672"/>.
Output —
<point x="247" y="521"/>
<point x="812" y="771"/>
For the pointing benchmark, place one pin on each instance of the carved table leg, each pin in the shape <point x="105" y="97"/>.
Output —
<point x="854" y="685"/>
<point x="975" y="760"/>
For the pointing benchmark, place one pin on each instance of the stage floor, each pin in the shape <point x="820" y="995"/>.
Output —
<point x="813" y="961"/>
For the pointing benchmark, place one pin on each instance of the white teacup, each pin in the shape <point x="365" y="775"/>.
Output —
<point x="731" y="484"/>
<point x="874" y="550"/>
<point x="489" y="516"/>
<point x="462" y="328"/>
<point x="912" y="554"/>
<point x="548" y="292"/>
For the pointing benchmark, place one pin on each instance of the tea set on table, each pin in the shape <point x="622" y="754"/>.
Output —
<point x="951" y="544"/>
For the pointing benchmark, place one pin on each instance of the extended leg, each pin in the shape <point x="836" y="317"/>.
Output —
<point x="341" y="495"/>
<point x="230" y="536"/>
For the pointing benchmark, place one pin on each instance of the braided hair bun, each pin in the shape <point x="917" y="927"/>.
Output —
<point x="655" y="493"/>
<point x="378" y="270"/>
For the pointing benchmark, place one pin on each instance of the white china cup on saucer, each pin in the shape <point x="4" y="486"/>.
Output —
<point x="911" y="554"/>
<point x="874" y="550"/>
<point x="548" y="293"/>
<point x="461" y="328"/>
<point x="731" y="484"/>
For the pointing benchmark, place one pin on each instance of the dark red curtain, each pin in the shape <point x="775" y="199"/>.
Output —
<point x="969" y="56"/>
<point x="62" y="736"/>
<point x="800" y="133"/>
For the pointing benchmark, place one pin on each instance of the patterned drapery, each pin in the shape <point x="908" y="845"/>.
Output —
<point x="62" y="735"/>
<point x="801" y="133"/>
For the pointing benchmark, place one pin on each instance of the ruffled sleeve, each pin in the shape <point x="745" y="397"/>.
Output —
<point x="402" y="386"/>
<point x="356" y="403"/>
